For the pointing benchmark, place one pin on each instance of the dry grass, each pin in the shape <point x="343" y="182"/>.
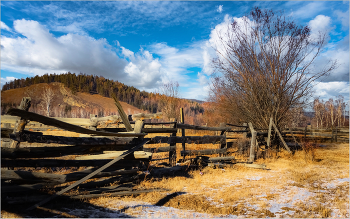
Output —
<point x="293" y="187"/>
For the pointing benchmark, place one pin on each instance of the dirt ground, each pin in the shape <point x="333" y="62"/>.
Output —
<point x="293" y="186"/>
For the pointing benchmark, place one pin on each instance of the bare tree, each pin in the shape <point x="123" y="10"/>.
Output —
<point x="169" y="102"/>
<point x="266" y="64"/>
<point x="46" y="99"/>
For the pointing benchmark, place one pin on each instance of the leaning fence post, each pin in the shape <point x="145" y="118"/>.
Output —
<point x="20" y="123"/>
<point x="252" y="143"/>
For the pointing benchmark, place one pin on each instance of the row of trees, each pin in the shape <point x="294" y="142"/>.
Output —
<point x="330" y="113"/>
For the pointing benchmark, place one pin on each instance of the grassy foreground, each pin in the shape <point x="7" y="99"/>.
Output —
<point x="294" y="186"/>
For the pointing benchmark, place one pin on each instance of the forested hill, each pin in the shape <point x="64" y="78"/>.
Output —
<point x="93" y="85"/>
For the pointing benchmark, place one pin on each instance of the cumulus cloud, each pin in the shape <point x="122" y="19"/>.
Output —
<point x="143" y="70"/>
<point x="321" y="24"/>
<point x="326" y="90"/>
<point x="4" y="26"/>
<point x="175" y="62"/>
<point x="38" y="52"/>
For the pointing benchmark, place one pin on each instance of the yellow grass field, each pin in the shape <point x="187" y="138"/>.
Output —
<point x="293" y="186"/>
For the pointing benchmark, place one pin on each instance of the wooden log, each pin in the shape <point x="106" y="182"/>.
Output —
<point x="38" y="138"/>
<point x="204" y="152"/>
<point x="160" y="149"/>
<point x="90" y="175"/>
<point x="240" y="126"/>
<point x="253" y="165"/>
<point x="220" y="165"/>
<point x="172" y="153"/>
<point x="217" y="159"/>
<point x="69" y="127"/>
<point x="122" y="114"/>
<point x="206" y="139"/>
<point x="21" y="122"/>
<point x="269" y="133"/>
<point x="138" y="126"/>
<point x="279" y="134"/>
<point x="183" y="134"/>
<point x="144" y="130"/>
<point x="31" y="199"/>
<point x="78" y="175"/>
<point x="228" y="129"/>
<point x="41" y="152"/>
<point x="21" y="188"/>
<point x="252" y="143"/>
<point x="33" y="176"/>
<point x="65" y="163"/>
<point x="143" y="116"/>
<point x="114" y="154"/>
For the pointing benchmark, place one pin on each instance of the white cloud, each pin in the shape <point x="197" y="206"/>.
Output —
<point x="220" y="8"/>
<point x="7" y="79"/>
<point x="309" y="10"/>
<point x="326" y="90"/>
<point x="39" y="52"/>
<point x="343" y="17"/>
<point x="321" y="24"/>
<point x="175" y="61"/>
<point x="143" y="71"/>
<point x="4" y="26"/>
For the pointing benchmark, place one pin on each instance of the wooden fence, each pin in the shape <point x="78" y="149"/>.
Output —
<point x="107" y="150"/>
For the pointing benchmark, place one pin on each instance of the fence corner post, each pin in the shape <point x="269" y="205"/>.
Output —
<point x="20" y="123"/>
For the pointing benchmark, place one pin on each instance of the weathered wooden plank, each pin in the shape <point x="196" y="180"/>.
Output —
<point x="206" y="139"/>
<point x="90" y="175"/>
<point x="21" y="122"/>
<point x="240" y="126"/>
<point x="252" y="143"/>
<point x="21" y="188"/>
<point x="34" y="176"/>
<point x="65" y="163"/>
<point x="160" y="149"/>
<point x="143" y="116"/>
<point x="279" y="134"/>
<point x="69" y="127"/>
<point x="204" y="152"/>
<point x="145" y="130"/>
<point x="114" y="154"/>
<point x="40" y="152"/>
<point x="252" y="165"/>
<point x="39" y="138"/>
<point x="217" y="159"/>
<point x="269" y="133"/>
<point x="122" y="114"/>
<point x="228" y="129"/>
<point x="31" y="199"/>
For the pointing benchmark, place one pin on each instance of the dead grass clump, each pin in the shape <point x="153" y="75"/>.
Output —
<point x="201" y="204"/>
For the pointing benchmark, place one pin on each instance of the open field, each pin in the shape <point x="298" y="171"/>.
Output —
<point x="293" y="186"/>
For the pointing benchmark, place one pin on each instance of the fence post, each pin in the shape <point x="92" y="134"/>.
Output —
<point x="252" y="143"/>
<point x="183" y="132"/>
<point x="172" y="153"/>
<point x="336" y="134"/>
<point x="20" y="123"/>
<point x="223" y="133"/>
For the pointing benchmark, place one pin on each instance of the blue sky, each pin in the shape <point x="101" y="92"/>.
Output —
<point x="146" y="44"/>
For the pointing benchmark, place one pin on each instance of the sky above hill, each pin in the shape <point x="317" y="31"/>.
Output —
<point x="146" y="44"/>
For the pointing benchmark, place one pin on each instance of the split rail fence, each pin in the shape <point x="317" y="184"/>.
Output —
<point x="116" y="154"/>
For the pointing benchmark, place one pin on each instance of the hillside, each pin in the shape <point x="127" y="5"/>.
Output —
<point x="65" y="103"/>
<point x="76" y="97"/>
